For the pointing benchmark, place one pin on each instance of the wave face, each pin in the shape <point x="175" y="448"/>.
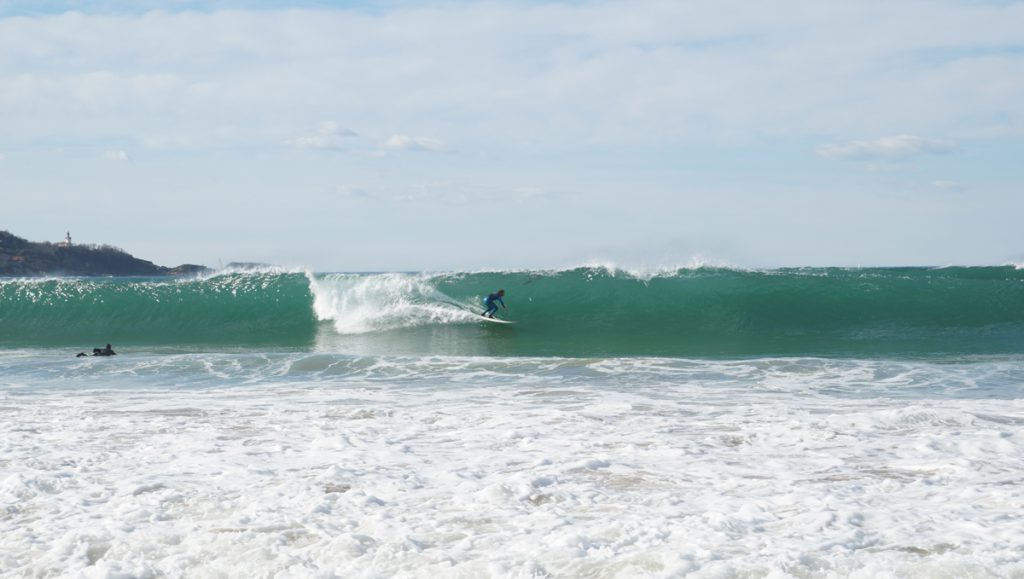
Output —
<point x="583" y="312"/>
<point x="240" y="309"/>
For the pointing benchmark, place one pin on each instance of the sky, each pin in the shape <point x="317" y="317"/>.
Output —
<point x="456" y="135"/>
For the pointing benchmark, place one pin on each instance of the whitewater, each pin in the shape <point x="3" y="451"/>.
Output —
<point x="683" y="423"/>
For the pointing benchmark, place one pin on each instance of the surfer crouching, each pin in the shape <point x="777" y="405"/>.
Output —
<point x="491" y="302"/>
<point x="108" y="351"/>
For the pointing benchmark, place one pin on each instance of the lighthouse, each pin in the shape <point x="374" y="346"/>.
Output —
<point x="67" y="240"/>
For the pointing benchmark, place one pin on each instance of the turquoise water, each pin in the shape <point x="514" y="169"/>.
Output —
<point x="572" y="313"/>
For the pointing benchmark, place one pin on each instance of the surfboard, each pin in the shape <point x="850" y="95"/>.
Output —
<point x="496" y="320"/>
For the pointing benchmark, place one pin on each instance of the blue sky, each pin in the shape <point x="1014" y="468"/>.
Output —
<point x="467" y="135"/>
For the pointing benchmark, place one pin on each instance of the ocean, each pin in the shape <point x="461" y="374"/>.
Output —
<point x="705" y="422"/>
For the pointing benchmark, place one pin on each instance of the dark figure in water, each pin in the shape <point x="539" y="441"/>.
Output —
<point x="108" y="351"/>
<point x="490" y="302"/>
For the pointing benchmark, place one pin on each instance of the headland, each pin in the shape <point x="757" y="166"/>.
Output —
<point x="22" y="258"/>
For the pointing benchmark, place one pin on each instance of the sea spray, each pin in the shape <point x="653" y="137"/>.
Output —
<point x="358" y="304"/>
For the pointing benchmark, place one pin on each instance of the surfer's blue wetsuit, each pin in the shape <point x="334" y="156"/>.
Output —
<point x="492" y="301"/>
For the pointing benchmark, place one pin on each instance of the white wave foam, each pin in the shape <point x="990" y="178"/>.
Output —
<point x="358" y="303"/>
<point x="250" y="270"/>
<point x="504" y="468"/>
<point x="611" y="268"/>
<point x="649" y="272"/>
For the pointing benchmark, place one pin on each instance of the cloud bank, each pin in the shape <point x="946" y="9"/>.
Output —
<point x="522" y="75"/>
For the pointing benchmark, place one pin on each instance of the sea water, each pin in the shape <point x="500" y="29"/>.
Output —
<point x="686" y="423"/>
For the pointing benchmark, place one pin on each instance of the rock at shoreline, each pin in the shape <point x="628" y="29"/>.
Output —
<point x="20" y="257"/>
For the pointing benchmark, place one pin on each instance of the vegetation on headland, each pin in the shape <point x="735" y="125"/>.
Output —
<point x="20" y="257"/>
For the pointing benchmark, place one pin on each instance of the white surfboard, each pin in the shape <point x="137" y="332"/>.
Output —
<point x="496" y="320"/>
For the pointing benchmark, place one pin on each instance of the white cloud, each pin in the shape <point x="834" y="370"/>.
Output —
<point x="3" y="157"/>
<point x="949" y="186"/>
<point x="330" y="135"/>
<point x="891" y="148"/>
<point x="517" y="74"/>
<point x="538" y="194"/>
<point x="117" y="156"/>
<point x="406" y="143"/>
<point x="354" y="191"/>
<point x="446" y="193"/>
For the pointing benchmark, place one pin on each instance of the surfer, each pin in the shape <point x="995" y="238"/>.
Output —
<point x="490" y="302"/>
<point x="108" y="351"/>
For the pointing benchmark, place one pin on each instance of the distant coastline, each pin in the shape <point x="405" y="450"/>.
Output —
<point x="20" y="257"/>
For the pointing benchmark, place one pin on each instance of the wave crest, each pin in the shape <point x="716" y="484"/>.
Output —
<point x="358" y="304"/>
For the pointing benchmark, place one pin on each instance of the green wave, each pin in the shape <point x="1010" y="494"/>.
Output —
<point x="579" y="312"/>
<point x="234" y="309"/>
<point x="723" y="312"/>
